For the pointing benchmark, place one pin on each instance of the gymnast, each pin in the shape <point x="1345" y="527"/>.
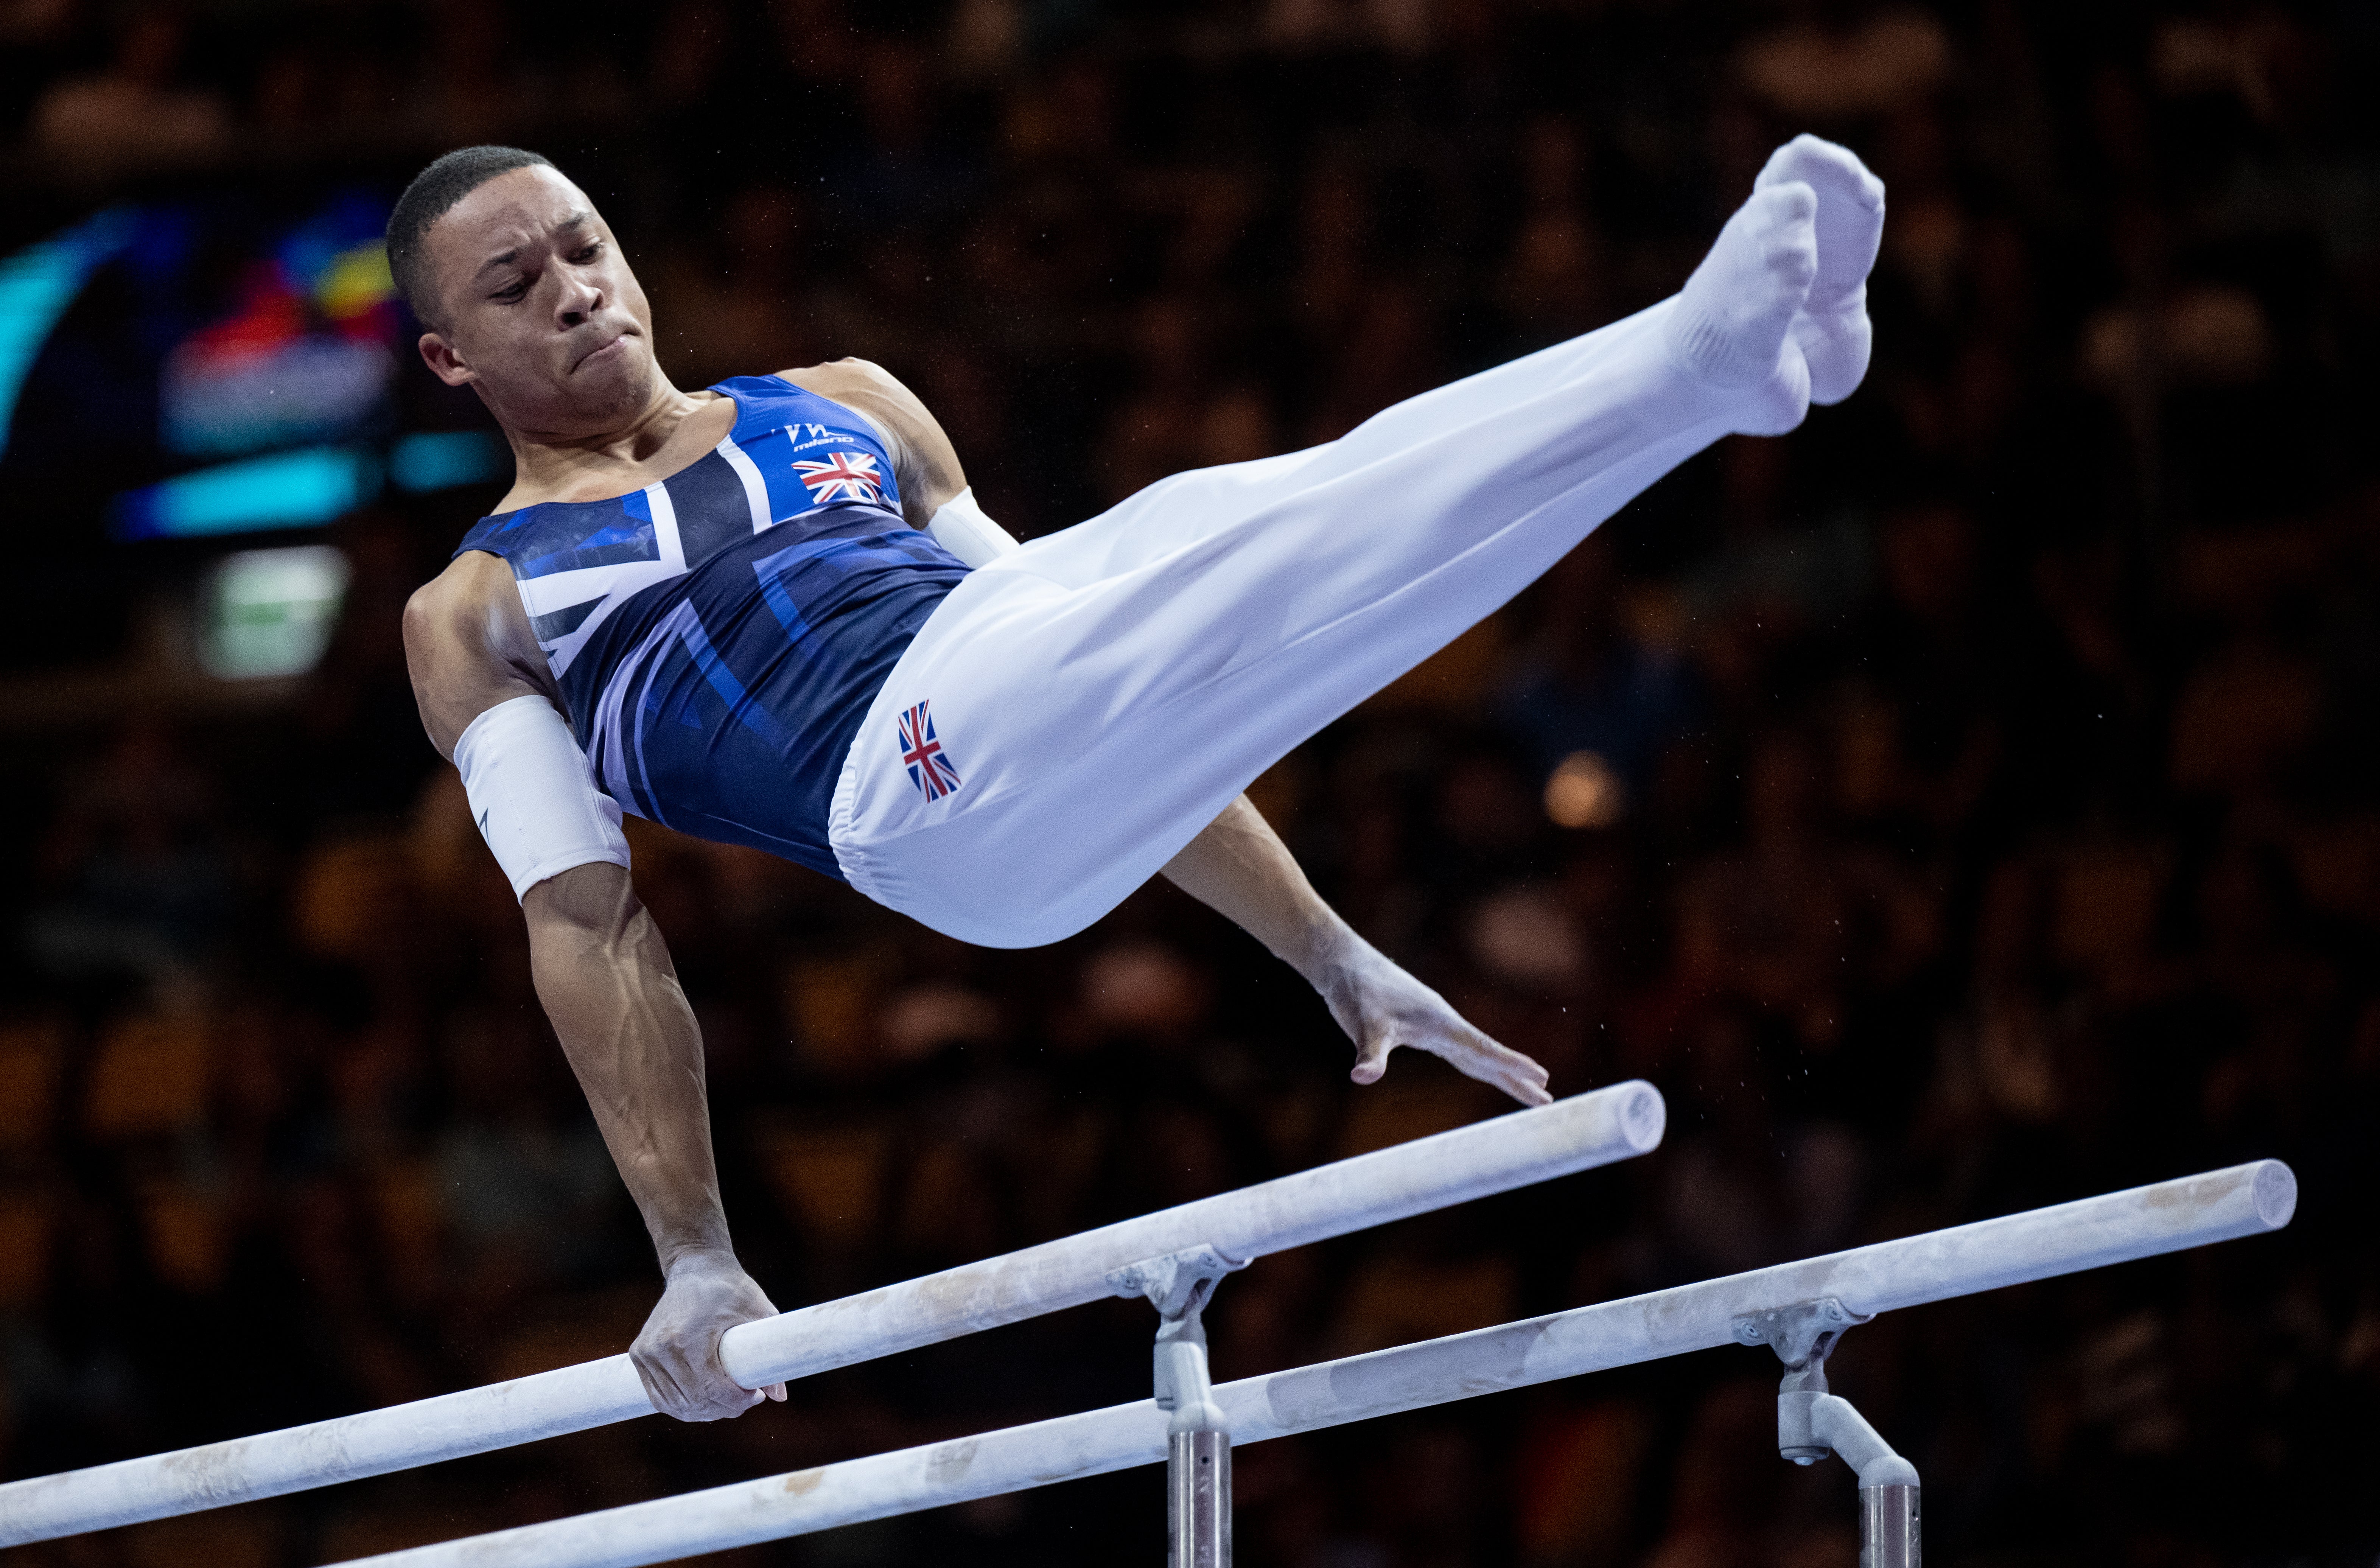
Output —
<point x="771" y="614"/>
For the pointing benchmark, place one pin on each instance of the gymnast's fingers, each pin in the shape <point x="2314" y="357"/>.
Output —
<point x="653" y="1393"/>
<point x="1477" y="1056"/>
<point x="687" y="1380"/>
<point x="723" y="1396"/>
<point x="1522" y="1086"/>
<point x="662" y="1385"/>
<point x="719" y="1396"/>
<point x="692" y="1404"/>
<point x="1525" y="1068"/>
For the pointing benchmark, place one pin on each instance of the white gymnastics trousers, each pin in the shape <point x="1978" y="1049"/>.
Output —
<point x="1101" y="694"/>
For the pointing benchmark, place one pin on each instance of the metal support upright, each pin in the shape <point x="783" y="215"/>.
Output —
<point x="1198" y="1440"/>
<point x="1813" y="1422"/>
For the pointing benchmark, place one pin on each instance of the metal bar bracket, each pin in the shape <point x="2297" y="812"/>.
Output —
<point x="1813" y="1422"/>
<point x="1199" y="1439"/>
<point x="1179" y="1285"/>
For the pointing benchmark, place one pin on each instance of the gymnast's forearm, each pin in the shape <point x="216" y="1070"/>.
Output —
<point x="1239" y="867"/>
<point x="607" y="984"/>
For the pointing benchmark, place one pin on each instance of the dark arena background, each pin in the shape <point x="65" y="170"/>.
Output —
<point x="1963" y="804"/>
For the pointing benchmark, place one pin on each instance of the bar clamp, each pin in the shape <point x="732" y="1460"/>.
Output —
<point x="1179" y="1285"/>
<point x="1803" y="1335"/>
<point x="1813" y="1422"/>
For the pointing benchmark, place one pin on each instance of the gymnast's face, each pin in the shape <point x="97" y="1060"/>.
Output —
<point x="541" y="314"/>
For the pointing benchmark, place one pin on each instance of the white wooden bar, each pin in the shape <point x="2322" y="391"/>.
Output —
<point x="1484" y="1157"/>
<point x="2091" y="1234"/>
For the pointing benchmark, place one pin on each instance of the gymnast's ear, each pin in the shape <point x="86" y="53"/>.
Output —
<point x="444" y="361"/>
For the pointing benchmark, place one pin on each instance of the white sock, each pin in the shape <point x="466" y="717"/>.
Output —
<point x="1832" y="326"/>
<point x="1732" y="321"/>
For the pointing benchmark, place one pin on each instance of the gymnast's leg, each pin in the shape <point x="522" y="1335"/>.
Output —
<point x="1103" y="693"/>
<point x="1832" y="331"/>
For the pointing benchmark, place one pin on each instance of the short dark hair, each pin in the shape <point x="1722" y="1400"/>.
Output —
<point x="432" y="195"/>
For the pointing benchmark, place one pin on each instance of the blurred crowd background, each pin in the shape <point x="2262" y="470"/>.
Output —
<point x="1963" y="804"/>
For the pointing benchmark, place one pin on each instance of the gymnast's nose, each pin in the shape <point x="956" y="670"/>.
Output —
<point x="581" y="297"/>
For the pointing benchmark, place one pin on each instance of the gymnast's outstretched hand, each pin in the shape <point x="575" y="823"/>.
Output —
<point x="676" y="1354"/>
<point x="1239" y="867"/>
<point x="1382" y="1007"/>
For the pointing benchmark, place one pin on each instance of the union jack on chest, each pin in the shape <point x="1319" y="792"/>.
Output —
<point x="844" y="476"/>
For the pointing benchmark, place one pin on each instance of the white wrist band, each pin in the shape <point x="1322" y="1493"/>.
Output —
<point x="533" y="796"/>
<point x="961" y="527"/>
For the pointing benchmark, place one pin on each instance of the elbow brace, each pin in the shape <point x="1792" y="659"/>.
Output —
<point x="533" y="796"/>
<point x="960" y="526"/>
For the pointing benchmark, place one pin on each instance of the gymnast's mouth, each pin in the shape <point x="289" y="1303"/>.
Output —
<point x="604" y="352"/>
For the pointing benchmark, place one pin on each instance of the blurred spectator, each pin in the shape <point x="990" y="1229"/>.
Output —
<point x="136" y="116"/>
<point x="144" y="876"/>
<point x="1590" y="687"/>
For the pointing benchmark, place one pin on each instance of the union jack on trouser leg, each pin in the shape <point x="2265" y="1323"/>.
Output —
<point x="929" y="764"/>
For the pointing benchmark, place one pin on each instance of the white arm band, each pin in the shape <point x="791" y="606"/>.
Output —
<point x="961" y="527"/>
<point x="533" y="795"/>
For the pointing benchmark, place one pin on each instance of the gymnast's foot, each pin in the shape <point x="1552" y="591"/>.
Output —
<point x="1731" y="325"/>
<point x="1832" y="325"/>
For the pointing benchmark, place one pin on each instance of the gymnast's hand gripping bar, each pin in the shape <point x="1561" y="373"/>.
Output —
<point x="2091" y="1234"/>
<point x="1488" y="1157"/>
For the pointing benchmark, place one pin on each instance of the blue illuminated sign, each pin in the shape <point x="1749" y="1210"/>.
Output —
<point x="288" y="490"/>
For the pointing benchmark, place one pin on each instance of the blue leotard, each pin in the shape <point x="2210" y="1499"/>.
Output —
<point x="718" y="635"/>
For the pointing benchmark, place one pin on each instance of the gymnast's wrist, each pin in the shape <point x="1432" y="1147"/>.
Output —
<point x="703" y="1257"/>
<point x="1330" y="951"/>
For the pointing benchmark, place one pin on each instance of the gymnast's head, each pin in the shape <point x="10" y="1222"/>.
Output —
<point x="526" y="295"/>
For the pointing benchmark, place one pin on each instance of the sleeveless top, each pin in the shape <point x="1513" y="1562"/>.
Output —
<point x="718" y="637"/>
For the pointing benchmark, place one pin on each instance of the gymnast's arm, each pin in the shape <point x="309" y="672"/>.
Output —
<point x="607" y="984"/>
<point x="1240" y="867"/>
